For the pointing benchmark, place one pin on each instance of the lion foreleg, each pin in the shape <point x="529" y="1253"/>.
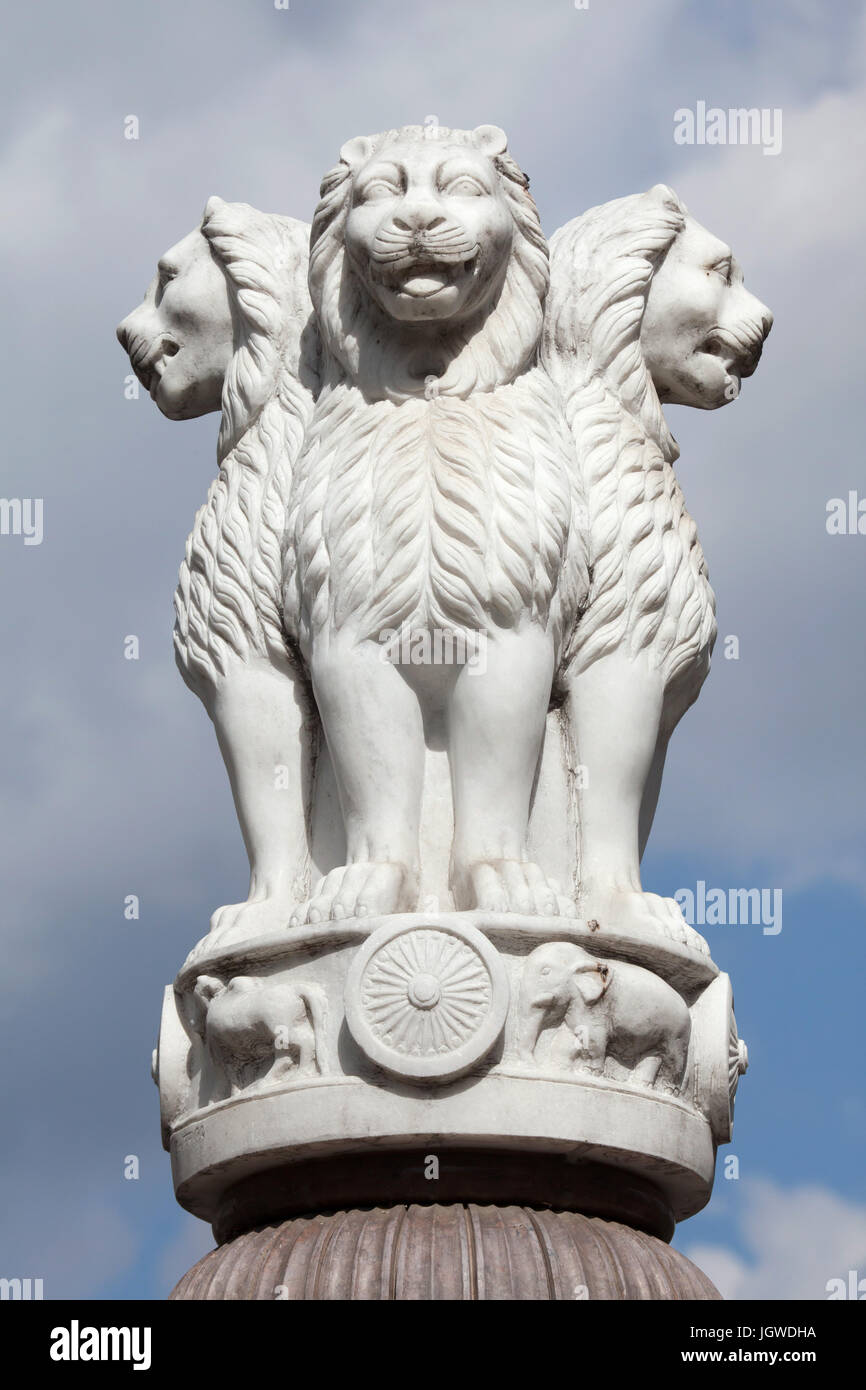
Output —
<point x="496" y="722"/>
<point x="266" y="735"/>
<point x="374" y="729"/>
<point x="650" y="799"/>
<point x="666" y="912"/>
<point x="679" y="696"/>
<point x="615" y="708"/>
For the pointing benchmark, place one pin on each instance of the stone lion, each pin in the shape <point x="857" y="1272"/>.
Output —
<point x="435" y="493"/>
<point x="224" y="326"/>
<point x="400" y="468"/>
<point x="646" y="307"/>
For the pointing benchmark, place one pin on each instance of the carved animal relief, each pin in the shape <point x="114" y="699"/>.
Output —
<point x="260" y="1032"/>
<point x="579" y="1013"/>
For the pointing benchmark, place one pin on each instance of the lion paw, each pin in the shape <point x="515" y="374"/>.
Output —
<point x="359" y="890"/>
<point x="668" y="915"/>
<point x="507" y="885"/>
<point x="632" y="910"/>
<point x="256" y="917"/>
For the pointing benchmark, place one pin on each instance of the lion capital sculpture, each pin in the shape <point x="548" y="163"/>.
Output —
<point x="445" y="605"/>
<point x="438" y="436"/>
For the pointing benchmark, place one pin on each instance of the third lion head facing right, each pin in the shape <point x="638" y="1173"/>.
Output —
<point x="641" y="268"/>
<point x="702" y="331"/>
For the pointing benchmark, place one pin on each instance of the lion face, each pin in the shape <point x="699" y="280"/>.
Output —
<point x="180" y="339"/>
<point x="702" y="331"/>
<point x="429" y="232"/>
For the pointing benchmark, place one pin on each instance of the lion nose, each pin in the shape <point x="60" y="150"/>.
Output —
<point x="135" y="325"/>
<point x="766" y="318"/>
<point x="758" y="313"/>
<point x="123" y="332"/>
<point x="420" y="218"/>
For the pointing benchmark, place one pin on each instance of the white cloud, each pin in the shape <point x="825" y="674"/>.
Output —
<point x="797" y="1240"/>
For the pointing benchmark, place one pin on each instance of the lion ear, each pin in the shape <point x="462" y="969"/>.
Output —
<point x="357" y="151"/>
<point x="665" y="197"/>
<point x="490" y="140"/>
<point x="212" y="206"/>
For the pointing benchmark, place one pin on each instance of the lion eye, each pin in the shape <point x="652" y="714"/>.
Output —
<point x="378" y="188"/>
<point x="723" y="268"/>
<point x="465" y="188"/>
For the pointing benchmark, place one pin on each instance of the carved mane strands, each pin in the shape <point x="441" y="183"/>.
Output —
<point x="441" y="514"/>
<point x="228" y="599"/>
<point x="650" y="589"/>
<point x="456" y="507"/>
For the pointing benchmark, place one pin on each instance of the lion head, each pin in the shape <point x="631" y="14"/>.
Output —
<point x="225" y="322"/>
<point x="427" y="259"/>
<point x="702" y="331"/>
<point x="646" y="299"/>
<point x="225" y="325"/>
<point x="645" y="307"/>
<point x="181" y="338"/>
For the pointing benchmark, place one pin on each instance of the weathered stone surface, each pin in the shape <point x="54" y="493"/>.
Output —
<point x="271" y="1079"/>
<point x="460" y="1252"/>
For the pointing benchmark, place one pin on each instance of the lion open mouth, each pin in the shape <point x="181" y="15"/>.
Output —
<point x="423" y="264"/>
<point x="740" y="351"/>
<point x="424" y="278"/>
<point x="422" y="275"/>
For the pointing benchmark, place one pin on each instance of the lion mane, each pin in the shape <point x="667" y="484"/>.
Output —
<point x="228" y="602"/>
<point x="449" y="507"/>
<point x="649" y="587"/>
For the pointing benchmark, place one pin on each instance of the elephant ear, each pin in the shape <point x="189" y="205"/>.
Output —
<point x="592" y="981"/>
<point x="207" y="987"/>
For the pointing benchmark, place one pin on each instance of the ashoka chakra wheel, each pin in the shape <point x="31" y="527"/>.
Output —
<point x="426" y="1002"/>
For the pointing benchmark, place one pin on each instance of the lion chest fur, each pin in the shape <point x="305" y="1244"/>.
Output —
<point x="435" y="514"/>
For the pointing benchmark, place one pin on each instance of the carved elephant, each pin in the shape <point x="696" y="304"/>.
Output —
<point x="609" y="1009"/>
<point x="257" y="1029"/>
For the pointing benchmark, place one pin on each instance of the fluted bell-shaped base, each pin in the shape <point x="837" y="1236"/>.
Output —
<point x="454" y="1252"/>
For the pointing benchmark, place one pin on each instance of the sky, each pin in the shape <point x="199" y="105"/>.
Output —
<point x="110" y="781"/>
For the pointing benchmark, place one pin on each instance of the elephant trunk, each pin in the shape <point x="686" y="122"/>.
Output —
<point x="531" y="1015"/>
<point x="317" y="1009"/>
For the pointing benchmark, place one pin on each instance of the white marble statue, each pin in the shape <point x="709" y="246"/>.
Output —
<point x="445" y="606"/>
<point x="443" y="438"/>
